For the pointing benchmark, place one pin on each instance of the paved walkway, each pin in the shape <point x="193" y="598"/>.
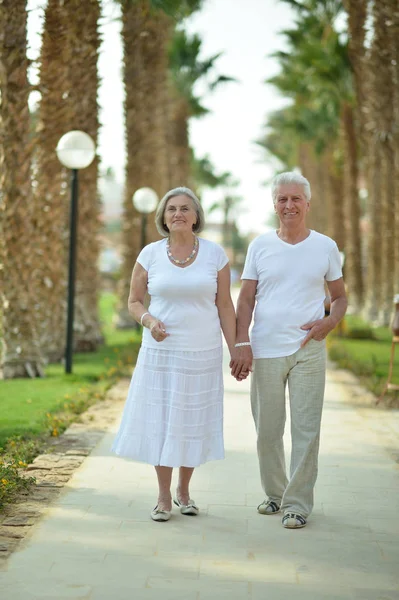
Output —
<point x="98" y="543"/>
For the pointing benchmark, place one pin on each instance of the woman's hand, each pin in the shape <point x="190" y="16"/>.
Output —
<point x="158" y="330"/>
<point x="241" y="362"/>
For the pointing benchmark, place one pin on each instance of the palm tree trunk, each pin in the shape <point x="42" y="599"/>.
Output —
<point x="327" y="192"/>
<point x="145" y="35"/>
<point x="21" y="355"/>
<point x="51" y="199"/>
<point x="83" y="83"/>
<point x="373" y="288"/>
<point x="335" y="192"/>
<point x="384" y="122"/>
<point x="180" y="147"/>
<point x="306" y="166"/>
<point x="379" y="100"/>
<point x="394" y="46"/>
<point x="357" y="15"/>
<point x="353" y="251"/>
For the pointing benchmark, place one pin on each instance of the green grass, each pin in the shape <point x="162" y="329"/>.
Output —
<point x="366" y="352"/>
<point x="24" y="403"/>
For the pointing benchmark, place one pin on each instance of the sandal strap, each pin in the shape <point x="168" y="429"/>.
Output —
<point x="299" y="518"/>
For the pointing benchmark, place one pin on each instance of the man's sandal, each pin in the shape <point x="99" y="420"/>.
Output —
<point x="268" y="507"/>
<point x="293" y="521"/>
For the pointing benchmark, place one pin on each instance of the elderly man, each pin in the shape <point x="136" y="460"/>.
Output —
<point x="284" y="275"/>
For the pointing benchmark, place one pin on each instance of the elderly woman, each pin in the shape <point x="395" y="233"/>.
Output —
<point x="173" y="415"/>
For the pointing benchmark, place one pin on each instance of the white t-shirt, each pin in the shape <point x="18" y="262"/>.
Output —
<point x="290" y="290"/>
<point x="184" y="299"/>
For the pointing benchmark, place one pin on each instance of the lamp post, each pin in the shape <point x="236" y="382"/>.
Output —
<point x="75" y="150"/>
<point x="145" y="201"/>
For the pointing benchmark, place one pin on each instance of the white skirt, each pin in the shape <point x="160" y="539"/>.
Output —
<point x="173" y="414"/>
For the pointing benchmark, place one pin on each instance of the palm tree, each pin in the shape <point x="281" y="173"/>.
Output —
<point x="83" y="82"/>
<point x="151" y="141"/>
<point x="145" y="33"/>
<point x="51" y="200"/>
<point x="394" y="52"/>
<point x="357" y="15"/>
<point x="319" y="59"/>
<point x="380" y="164"/>
<point x="186" y="69"/>
<point x="20" y="348"/>
<point x="68" y="85"/>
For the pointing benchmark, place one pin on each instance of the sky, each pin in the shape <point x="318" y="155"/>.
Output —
<point x="247" y="33"/>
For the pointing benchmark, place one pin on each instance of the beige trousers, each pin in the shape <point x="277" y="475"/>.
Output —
<point x="304" y="372"/>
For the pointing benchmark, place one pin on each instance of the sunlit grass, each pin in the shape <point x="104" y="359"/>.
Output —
<point x="24" y="403"/>
<point x="367" y="358"/>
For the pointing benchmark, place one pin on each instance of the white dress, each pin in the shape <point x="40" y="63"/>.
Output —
<point x="173" y="414"/>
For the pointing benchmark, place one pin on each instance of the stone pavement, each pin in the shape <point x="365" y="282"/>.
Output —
<point x="97" y="541"/>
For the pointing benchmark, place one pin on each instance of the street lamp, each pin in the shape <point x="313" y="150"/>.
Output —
<point x="145" y="201"/>
<point x="75" y="150"/>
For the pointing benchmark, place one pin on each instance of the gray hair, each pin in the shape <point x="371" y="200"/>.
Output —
<point x="287" y="178"/>
<point x="179" y="191"/>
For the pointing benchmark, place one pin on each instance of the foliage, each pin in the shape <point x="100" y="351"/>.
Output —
<point x="186" y="69"/>
<point x="315" y="74"/>
<point x="12" y="482"/>
<point x="366" y="357"/>
<point x="354" y="327"/>
<point x="178" y="9"/>
<point x="204" y="173"/>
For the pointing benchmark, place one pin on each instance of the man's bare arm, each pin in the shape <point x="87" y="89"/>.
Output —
<point x="245" y="308"/>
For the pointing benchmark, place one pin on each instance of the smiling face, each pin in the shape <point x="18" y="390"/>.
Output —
<point x="180" y="214"/>
<point x="291" y="204"/>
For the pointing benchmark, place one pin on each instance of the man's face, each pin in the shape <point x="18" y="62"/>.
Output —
<point x="291" y="204"/>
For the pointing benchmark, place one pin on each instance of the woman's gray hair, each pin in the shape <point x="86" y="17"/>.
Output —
<point x="179" y="191"/>
<point x="287" y="178"/>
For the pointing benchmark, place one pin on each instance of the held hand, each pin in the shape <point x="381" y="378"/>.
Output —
<point x="241" y="362"/>
<point x="317" y="330"/>
<point x="158" y="331"/>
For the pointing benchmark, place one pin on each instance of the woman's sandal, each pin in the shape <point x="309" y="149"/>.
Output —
<point x="187" y="509"/>
<point x="160" y="515"/>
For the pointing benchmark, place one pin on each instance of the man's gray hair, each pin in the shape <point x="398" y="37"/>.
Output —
<point x="287" y="178"/>
<point x="179" y="191"/>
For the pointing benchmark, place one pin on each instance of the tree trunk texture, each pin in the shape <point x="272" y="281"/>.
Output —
<point x="312" y="168"/>
<point x="83" y="83"/>
<point x="21" y="356"/>
<point x="336" y="197"/>
<point x="51" y="198"/>
<point x="380" y="169"/>
<point x="328" y="192"/>
<point x="357" y="15"/>
<point x="306" y="166"/>
<point x="394" y="45"/>
<point x="145" y="36"/>
<point x="353" y="245"/>
<point x="180" y="146"/>
<point x="374" y="262"/>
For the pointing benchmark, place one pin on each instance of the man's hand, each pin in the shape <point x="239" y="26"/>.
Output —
<point x="317" y="330"/>
<point x="241" y="362"/>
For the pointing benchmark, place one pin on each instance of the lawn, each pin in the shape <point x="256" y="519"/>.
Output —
<point x="25" y="404"/>
<point x="366" y="352"/>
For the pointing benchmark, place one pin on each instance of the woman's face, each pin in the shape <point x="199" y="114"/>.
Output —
<point x="180" y="214"/>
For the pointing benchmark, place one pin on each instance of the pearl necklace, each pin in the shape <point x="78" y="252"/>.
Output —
<point x="186" y="260"/>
